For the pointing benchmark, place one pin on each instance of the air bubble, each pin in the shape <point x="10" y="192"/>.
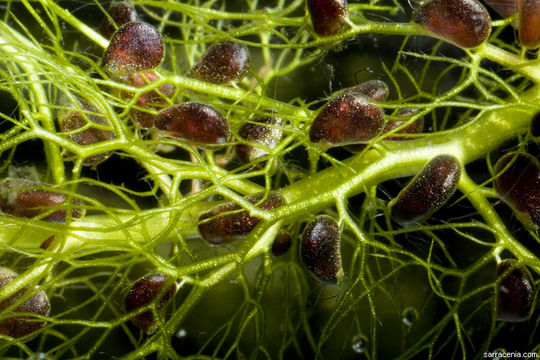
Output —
<point x="39" y="356"/>
<point x="181" y="333"/>
<point x="359" y="344"/>
<point x="409" y="316"/>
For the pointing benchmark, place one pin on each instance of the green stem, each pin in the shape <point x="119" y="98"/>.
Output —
<point x="395" y="159"/>
<point x="76" y="23"/>
<point x="504" y="237"/>
<point x="528" y="68"/>
<point x="43" y="113"/>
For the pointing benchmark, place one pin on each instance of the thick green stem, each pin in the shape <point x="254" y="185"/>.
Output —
<point x="503" y="236"/>
<point x="138" y="231"/>
<point x="393" y="159"/>
<point x="43" y="112"/>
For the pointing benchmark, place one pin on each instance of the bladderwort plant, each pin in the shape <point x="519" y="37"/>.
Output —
<point x="423" y="291"/>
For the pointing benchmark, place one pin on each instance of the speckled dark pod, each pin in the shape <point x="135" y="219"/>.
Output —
<point x="535" y="127"/>
<point x="23" y="198"/>
<point x="529" y="23"/>
<point x="120" y="12"/>
<point x="415" y="128"/>
<point x="329" y="17"/>
<point x="135" y="46"/>
<point x="193" y="121"/>
<point x="48" y="242"/>
<point x="20" y="326"/>
<point x="282" y="243"/>
<point x="505" y="8"/>
<point x="519" y="186"/>
<point x="224" y="228"/>
<point x="320" y="249"/>
<point x="267" y="136"/>
<point x="76" y="116"/>
<point x="347" y="119"/>
<point x="144" y="291"/>
<point x="152" y="100"/>
<point x="465" y="23"/>
<point x="427" y="191"/>
<point x="222" y="63"/>
<point x="515" y="293"/>
<point x="374" y="90"/>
